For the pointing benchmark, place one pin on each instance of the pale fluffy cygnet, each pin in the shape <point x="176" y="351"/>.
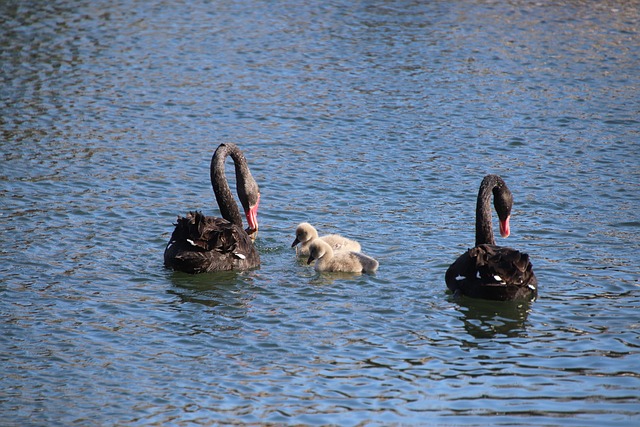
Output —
<point x="341" y="261"/>
<point x="306" y="233"/>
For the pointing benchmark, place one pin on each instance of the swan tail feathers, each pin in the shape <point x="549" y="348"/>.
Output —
<point x="502" y="266"/>
<point x="200" y="243"/>
<point x="492" y="272"/>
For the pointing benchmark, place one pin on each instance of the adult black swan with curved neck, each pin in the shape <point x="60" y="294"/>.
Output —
<point x="489" y="271"/>
<point x="204" y="243"/>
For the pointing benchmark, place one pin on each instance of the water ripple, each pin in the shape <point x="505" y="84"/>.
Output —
<point x="376" y="121"/>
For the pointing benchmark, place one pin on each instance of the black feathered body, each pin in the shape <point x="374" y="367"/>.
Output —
<point x="493" y="272"/>
<point x="202" y="244"/>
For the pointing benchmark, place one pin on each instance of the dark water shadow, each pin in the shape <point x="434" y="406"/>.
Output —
<point x="330" y="278"/>
<point x="225" y="288"/>
<point x="487" y="319"/>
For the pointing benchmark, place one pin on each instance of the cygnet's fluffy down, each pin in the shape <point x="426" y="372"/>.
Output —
<point x="306" y="233"/>
<point x="341" y="261"/>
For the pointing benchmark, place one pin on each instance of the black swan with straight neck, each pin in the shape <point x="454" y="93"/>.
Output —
<point x="489" y="271"/>
<point x="203" y="243"/>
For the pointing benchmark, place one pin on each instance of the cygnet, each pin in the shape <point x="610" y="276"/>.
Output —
<point x="341" y="261"/>
<point x="306" y="233"/>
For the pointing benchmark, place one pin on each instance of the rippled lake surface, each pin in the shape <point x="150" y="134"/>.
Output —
<point x="374" y="119"/>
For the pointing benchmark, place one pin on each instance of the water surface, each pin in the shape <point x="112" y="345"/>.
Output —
<point x="377" y="120"/>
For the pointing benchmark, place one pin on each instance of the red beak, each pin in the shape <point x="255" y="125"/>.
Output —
<point x="504" y="227"/>
<point x="252" y="216"/>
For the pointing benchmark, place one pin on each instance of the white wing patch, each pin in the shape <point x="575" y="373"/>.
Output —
<point x="460" y="277"/>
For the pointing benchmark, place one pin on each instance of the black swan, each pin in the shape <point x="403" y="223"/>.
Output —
<point x="489" y="271"/>
<point x="203" y="243"/>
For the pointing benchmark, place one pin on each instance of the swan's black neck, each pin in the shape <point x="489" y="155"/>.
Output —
<point x="246" y="186"/>
<point x="491" y="184"/>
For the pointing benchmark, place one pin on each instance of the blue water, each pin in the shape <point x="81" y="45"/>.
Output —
<point x="376" y="120"/>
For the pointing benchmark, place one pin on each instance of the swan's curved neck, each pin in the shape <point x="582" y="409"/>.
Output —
<point x="246" y="186"/>
<point x="484" y="230"/>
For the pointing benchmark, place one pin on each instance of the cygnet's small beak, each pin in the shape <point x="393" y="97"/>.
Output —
<point x="310" y="260"/>
<point x="295" y="242"/>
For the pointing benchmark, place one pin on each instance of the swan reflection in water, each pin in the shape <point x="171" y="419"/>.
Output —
<point x="225" y="293"/>
<point x="487" y="319"/>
